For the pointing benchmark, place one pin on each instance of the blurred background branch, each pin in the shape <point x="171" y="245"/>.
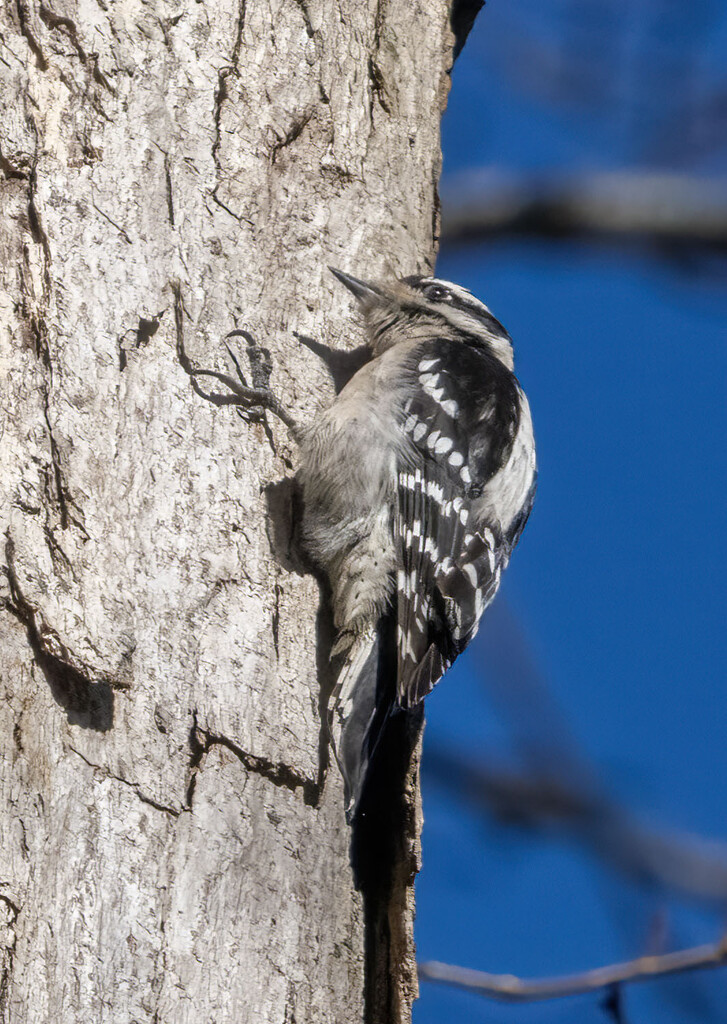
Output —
<point x="664" y="209"/>
<point x="516" y="990"/>
<point x="553" y="807"/>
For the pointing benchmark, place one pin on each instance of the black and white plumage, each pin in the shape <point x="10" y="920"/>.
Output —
<point x="417" y="483"/>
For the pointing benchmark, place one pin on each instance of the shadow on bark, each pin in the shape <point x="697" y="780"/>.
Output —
<point x="87" y="702"/>
<point x="341" y="364"/>
<point x="384" y="844"/>
<point x="284" y="507"/>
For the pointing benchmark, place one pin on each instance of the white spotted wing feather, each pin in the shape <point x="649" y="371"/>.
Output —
<point x="451" y="543"/>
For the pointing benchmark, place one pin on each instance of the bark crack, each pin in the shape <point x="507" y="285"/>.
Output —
<point x="170" y="192"/>
<point x="60" y="489"/>
<point x="106" y="773"/>
<point x="36" y="225"/>
<point x="291" y="135"/>
<point x="24" y="19"/>
<point x="275" y="624"/>
<point x="61" y="498"/>
<point x="306" y="17"/>
<point x="113" y="223"/>
<point x="36" y="321"/>
<point x="201" y="742"/>
<point x="221" y="93"/>
<point x="379" y="91"/>
<point x="55" y="22"/>
<point x="13" y="907"/>
<point x="60" y="494"/>
<point x="10" y="170"/>
<point x="7" y="950"/>
<point x="35" y="307"/>
<point x="166" y="24"/>
<point x="223" y="206"/>
<point x="160" y="970"/>
<point x="378" y="87"/>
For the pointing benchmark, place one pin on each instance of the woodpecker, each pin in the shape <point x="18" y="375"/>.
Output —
<point x="417" y="482"/>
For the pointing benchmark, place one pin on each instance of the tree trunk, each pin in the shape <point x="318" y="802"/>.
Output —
<point x="172" y="839"/>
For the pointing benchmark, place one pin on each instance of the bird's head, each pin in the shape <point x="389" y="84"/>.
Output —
<point x="418" y="307"/>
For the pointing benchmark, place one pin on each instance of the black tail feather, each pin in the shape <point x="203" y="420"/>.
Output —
<point x="365" y="701"/>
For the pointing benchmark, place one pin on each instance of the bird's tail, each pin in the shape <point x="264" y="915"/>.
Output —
<point x="362" y="702"/>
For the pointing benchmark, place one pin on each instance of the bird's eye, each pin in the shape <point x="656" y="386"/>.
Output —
<point x="436" y="293"/>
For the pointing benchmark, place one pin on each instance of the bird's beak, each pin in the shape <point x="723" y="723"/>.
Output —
<point x="361" y="289"/>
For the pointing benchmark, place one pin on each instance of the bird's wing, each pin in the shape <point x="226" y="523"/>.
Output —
<point x="460" y="423"/>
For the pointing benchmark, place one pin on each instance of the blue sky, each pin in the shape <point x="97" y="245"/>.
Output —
<point x="618" y="583"/>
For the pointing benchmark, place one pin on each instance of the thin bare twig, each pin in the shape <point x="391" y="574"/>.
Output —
<point x="509" y="988"/>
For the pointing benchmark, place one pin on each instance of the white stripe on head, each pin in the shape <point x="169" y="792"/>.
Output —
<point x="464" y="294"/>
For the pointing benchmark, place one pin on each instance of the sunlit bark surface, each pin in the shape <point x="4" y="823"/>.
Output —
<point x="172" y="840"/>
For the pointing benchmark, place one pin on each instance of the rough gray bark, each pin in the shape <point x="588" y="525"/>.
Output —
<point x="172" y="845"/>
